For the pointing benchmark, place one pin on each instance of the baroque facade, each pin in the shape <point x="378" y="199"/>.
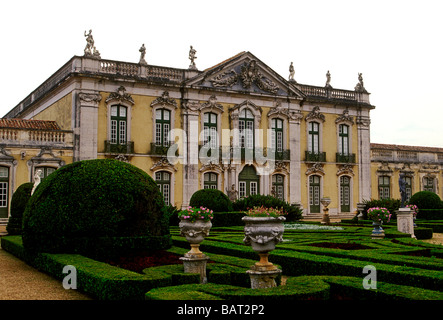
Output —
<point x="237" y="125"/>
<point x="422" y="168"/>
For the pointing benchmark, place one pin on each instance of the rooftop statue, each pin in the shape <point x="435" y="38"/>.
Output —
<point x="142" y="55"/>
<point x="90" y="49"/>
<point x="291" y="73"/>
<point x="192" y="57"/>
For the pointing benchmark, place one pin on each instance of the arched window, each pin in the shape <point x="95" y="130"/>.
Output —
<point x="314" y="137"/>
<point x="210" y="180"/>
<point x="163" y="179"/>
<point x="277" y="134"/>
<point x="278" y="186"/>
<point x="45" y="171"/>
<point x="384" y="187"/>
<point x="119" y="124"/>
<point x="246" y="128"/>
<point x="210" y="129"/>
<point x="314" y="194"/>
<point x="343" y="140"/>
<point x="162" y="127"/>
<point x="248" y="182"/>
<point x="4" y="191"/>
<point x="345" y="194"/>
<point x="428" y="184"/>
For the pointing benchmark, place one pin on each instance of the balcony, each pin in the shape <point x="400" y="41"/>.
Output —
<point x="345" y="158"/>
<point x="315" y="156"/>
<point x="123" y="148"/>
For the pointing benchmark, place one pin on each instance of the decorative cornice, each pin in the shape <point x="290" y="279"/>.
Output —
<point x="211" y="167"/>
<point x="164" y="100"/>
<point x="315" y="114"/>
<point x="345" y="117"/>
<point x="121" y="96"/>
<point x="212" y="104"/>
<point x="316" y="168"/>
<point x="163" y="163"/>
<point x="345" y="169"/>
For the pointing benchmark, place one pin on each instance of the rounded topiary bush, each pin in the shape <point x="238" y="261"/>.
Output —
<point x="212" y="199"/>
<point x="426" y="200"/>
<point x="19" y="200"/>
<point x="93" y="204"/>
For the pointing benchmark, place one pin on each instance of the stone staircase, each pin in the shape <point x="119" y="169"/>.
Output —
<point x="3" y="221"/>
<point x="332" y="217"/>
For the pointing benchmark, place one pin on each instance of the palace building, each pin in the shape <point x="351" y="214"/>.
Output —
<point x="236" y="125"/>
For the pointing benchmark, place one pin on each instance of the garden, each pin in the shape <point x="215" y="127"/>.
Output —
<point x="108" y="220"/>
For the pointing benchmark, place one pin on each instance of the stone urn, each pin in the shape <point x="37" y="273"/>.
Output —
<point x="195" y="232"/>
<point x="263" y="234"/>
<point x="377" y="232"/>
<point x="325" y="202"/>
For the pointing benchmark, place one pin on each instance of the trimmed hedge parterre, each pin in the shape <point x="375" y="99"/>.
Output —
<point x="317" y="264"/>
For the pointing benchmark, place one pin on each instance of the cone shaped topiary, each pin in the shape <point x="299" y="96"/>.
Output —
<point x="82" y="203"/>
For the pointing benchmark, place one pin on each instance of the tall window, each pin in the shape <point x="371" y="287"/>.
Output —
<point x="384" y="187"/>
<point x="118" y="124"/>
<point x="210" y="180"/>
<point x="210" y="129"/>
<point x="314" y="138"/>
<point x="46" y="171"/>
<point x="345" y="194"/>
<point x="246" y="128"/>
<point x="278" y="186"/>
<point x="4" y="188"/>
<point x="408" y="182"/>
<point x="343" y="140"/>
<point x="162" y="127"/>
<point x="163" y="180"/>
<point x="314" y="194"/>
<point x="277" y="135"/>
<point x="428" y="184"/>
<point x="248" y="182"/>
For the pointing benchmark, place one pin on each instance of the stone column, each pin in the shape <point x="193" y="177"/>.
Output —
<point x="190" y="167"/>
<point x="86" y="126"/>
<point x="364" y="157"/>
<point x="294" y="147"/>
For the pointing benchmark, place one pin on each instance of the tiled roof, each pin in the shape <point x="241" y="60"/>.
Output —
<point x="405" y="148"/>
<point x="28" y="124"/>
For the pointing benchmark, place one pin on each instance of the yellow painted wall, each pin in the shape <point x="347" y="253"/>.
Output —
<point x="60" y="112"/>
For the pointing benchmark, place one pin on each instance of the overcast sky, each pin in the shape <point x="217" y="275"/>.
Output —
<point x="396" y="45"/>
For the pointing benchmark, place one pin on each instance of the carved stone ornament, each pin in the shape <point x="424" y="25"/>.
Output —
<point x="249" y="74"/>
<point x="315" y="115"/>
<point x="212" y="104"/>
<point x="345" y="117"/>
<point x="162" y="164"/>
<point x="345" y="169"/>
<point x="89" y="97"/>
<point x="280" y="166"/>
<point x="164" y="100"/>
<point x="225" y="79"/>
<point x="211" y="167"/>
<point x="316" y="168"/>
<point x="121" y="96"/>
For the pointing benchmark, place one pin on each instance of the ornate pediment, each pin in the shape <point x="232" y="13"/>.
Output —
<point x="245" y="73"/>
<point x="164" y="100"/>
<point x="120" y="96"/>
